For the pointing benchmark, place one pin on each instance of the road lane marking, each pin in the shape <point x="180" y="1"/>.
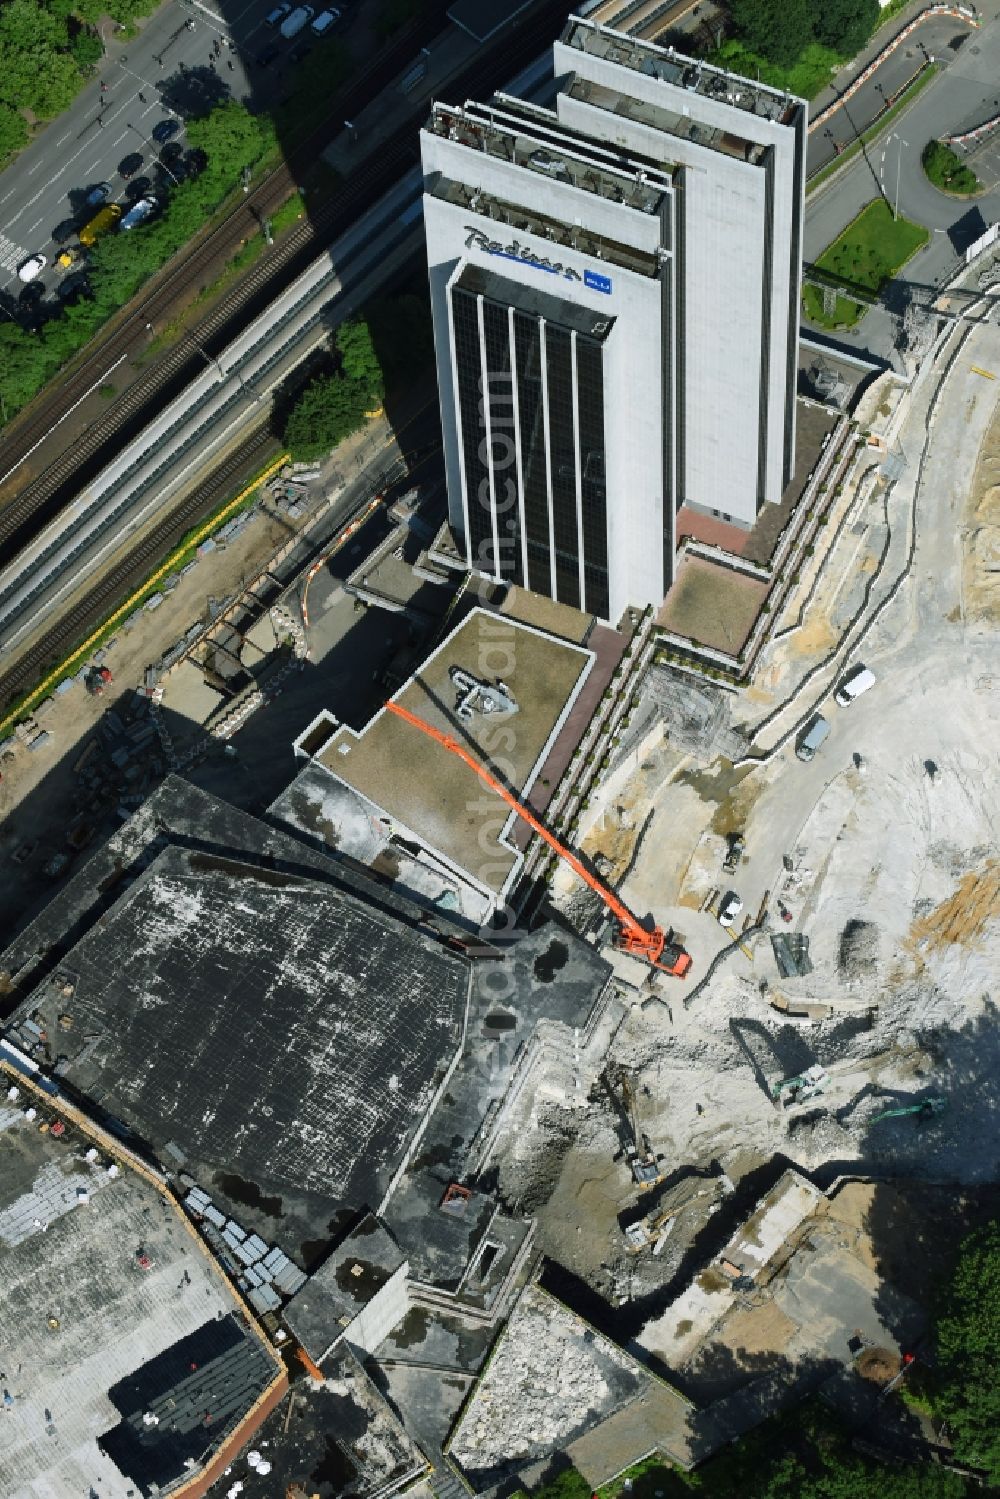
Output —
<point x="34" y="226"/>
<point x="66" y="167"/>
<point x="11" y="254"/>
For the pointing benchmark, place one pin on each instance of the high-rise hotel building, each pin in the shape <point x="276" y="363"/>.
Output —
<point x="615" y="287"/>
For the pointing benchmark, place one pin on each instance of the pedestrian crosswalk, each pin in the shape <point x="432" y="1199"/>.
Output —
<point x="11" y="255"/>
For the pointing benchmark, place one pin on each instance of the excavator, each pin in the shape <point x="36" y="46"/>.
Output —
<point x="645" y="1168"/>
<point x="648" y="943"/>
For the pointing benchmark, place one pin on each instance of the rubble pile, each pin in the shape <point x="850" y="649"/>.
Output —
<point x="549" y="1375"/>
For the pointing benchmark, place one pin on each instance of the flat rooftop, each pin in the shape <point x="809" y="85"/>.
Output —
<point x="532" y="137"/>
<point x="405" y="775"/>
<point x="105" y="1302"/>
<point x="272" y="1036"/>
<point x="342" y="1286"/>
<point x="179" y="814"/>
<point x="686" y="72"/>
<point x="549" y="984"/>
<point x="712" y="603"/>
<point x="670" y="122"/>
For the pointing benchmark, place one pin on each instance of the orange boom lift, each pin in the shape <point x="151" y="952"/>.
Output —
<point x="641" y="942"/>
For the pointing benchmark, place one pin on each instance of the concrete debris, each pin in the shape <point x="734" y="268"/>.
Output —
<point x="548" y="1376"/>
<point x="859" y="948"/>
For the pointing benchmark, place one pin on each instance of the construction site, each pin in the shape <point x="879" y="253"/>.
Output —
<point x="531" y="1043"/>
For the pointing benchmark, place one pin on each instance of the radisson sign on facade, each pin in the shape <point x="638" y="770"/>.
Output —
<point x="475" y="239"/>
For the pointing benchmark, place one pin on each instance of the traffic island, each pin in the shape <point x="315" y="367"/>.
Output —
<point x="945" y="170"/>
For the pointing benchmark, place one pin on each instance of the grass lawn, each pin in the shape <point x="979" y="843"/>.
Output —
<point x="947" y="171"/>
<point x="873" y="247"/>
<point x="845" y="312"/>
<point x="805" y="77"/>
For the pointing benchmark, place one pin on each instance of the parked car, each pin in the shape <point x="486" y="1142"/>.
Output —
<point x="98" y="194"/>
<point x="73" y="287"/>
<point x="31" y="295"/>
<point x="266" y="56"/>
<point x="293" y="24"/>
<point x="171" y="153"/>
<point x="277" y="15"/>
<point x="324" y="21"/>
<point x="138" y="188"/>
<point x="143" y="210"/>
<point x="812" y="737"/>
<point x="106" y="219"/>
<point x="165" y="130"/>
<point x="730" y="908"/>
<point x="130" y="164"/>
<point x="64" y="231"/>
<point x="854" y="684"/>
<point x="32" y="267"/>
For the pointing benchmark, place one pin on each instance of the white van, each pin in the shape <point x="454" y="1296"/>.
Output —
<point x="324" y="21"/>
<point x="812" y="737"/>
<point x="854" y="684"/>
<point x="293" y="24"/>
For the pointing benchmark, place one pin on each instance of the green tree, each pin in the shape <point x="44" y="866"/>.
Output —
<point x="328" y="410"/>
<point x="844" y="25"/>
<point x="13" y="130"/>
<point x="232" y="138"/>
<point x="358" y="360"/>
<point x="127" y="10"/>
<point x="22" y="362"/>
<point x="63" y="10"/>
<point x="86" y="49"/>
<point x="780" y="30"/>
<point x="30" y="28"/>
<point x="968" y="1336"/>
<point x="36" y="70"/>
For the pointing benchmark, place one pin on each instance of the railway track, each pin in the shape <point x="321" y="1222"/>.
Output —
<point x="28" y="429"/>
<point x="39" y="500"/>
<point x="43" y="497"/>
<point x="131" y="571"/>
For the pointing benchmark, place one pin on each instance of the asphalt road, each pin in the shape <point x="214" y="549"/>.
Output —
<point x="167" y="71"/>
<point x="941" y="40"/>
<point x="965" y="93"/>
